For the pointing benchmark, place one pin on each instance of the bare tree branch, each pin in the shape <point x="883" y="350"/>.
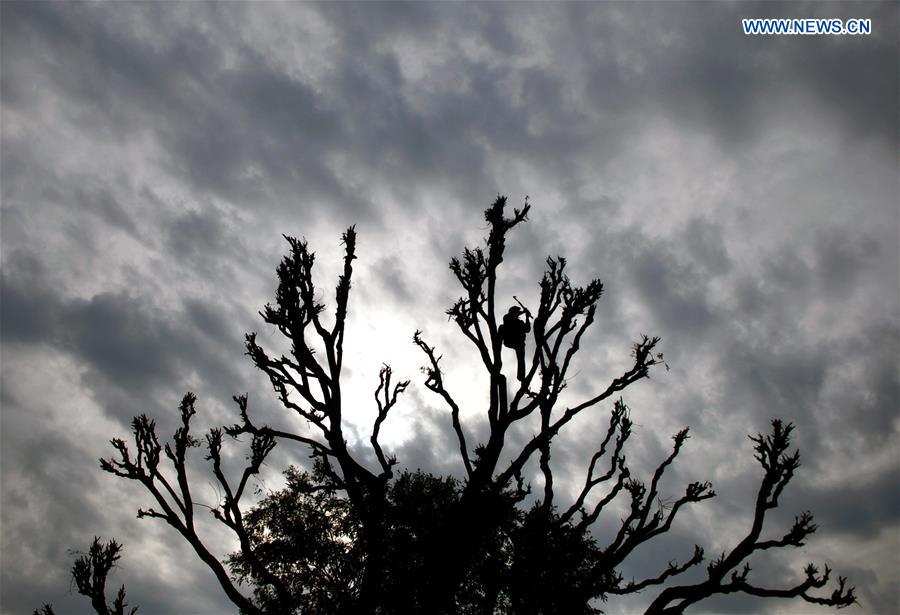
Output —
<point x="644" y="360"/>
<point x="671" y="570"/>
<point x="620" y="424"/>
<point x="778" y="466"/>
<point x="434" y="382"/>
<point x="385" y="399"/>
<point x="145" y="469"/>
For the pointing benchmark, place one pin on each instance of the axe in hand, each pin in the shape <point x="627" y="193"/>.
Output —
<point x="522" y="305"/>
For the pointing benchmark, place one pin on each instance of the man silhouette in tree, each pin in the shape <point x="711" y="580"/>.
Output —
<point x="512" y="334"/>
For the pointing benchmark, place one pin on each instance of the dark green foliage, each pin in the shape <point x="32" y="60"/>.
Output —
<point x="556" y="567"/>
<point x="308" y="537"/>
<point x="525" y="561"/>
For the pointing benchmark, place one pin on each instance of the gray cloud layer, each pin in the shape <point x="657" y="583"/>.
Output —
<point x="737" y="195"/>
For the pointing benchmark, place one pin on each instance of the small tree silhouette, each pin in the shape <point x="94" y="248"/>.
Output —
<point x="348" y="537"/>
<point x="90" y="572"/>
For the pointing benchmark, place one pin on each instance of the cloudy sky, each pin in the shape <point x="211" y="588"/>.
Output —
<point x="737" y="195"/>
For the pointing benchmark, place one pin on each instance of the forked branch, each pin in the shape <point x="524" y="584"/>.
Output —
<point x="177" y="511"/>
<point x="385" y="399"/>
<point x="723" y="576"/>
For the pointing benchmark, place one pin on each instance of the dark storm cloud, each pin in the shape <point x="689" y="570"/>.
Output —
<point x="863" y="508"/>
<point x="395" y="280"/>
<point x="855" y="82"/>
<point x="127" y="348"/>
<point x="680" y="302"/>
<point x="28" y="313"/>
<point x="100" y="200"/>
<point x="105" y="76"/>
<point x="46" y="503"/>
<point x="214" y="123"/>
<point x="198" y="238"/>
<point x="749" y="81"/>
<point x="208" y="320"/>
<point x="133" y="350"/>
<point x="45" y="474"/>
<point x="841" y="257"/>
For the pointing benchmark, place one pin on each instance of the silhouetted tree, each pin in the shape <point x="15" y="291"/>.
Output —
<point x="349" y="537"/>
<point x="90" y="572"/>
